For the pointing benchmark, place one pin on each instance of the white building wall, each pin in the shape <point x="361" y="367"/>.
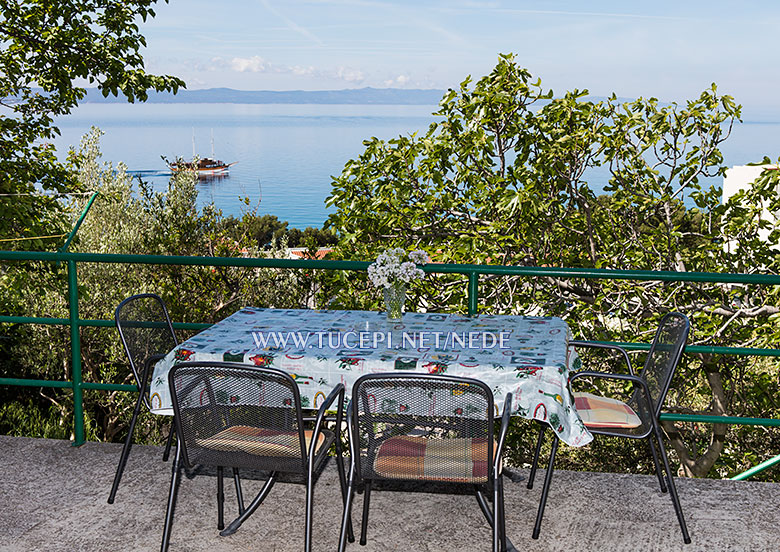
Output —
<point x="740" y="177"/>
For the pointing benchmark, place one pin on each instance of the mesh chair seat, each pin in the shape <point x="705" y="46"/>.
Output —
<point x="451" y="460"/>
<point x="261" y="441"/>
<point x="275" y="454"/>
<point x="603" y="412"/>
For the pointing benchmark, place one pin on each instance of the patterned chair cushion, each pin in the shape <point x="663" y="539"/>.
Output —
<point x="598" y="412"/>
<point x="259" y="441"/>
<point x="423" y="458"/>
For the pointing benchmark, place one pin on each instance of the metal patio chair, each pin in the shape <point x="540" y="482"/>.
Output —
<point x="147" y="335"/>
<point x="247" y="417"/>
<point x="426" y="428"/>
<point x="638" y="418"/>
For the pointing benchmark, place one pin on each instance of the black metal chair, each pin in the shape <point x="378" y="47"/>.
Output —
<point x="638" y="418"/>
<point x="426" y="428"/>
<point x="246" y="417"/>
<point x="147" y="335"/>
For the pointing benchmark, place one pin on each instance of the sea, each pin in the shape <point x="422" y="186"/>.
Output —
<point x="287" y="155"/>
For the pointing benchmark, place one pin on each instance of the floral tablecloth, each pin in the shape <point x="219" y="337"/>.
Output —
<point x="527" y="356"/>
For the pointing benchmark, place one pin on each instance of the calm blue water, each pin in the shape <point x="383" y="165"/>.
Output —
<point x="286" y="154"/>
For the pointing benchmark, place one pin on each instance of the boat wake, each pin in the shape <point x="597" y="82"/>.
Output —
<point x="149" y="173"/>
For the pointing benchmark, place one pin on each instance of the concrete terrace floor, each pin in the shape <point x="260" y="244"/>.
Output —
<point x="53" y="497"/>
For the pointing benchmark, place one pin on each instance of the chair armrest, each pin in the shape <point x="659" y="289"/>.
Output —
<point x="621" y="350"/>
<point x="503" y="431"/>
<point x="154" y="359"/>
<point x="350" y="430"/>
<point x="338" y="392"/>
<point x="147" y="367"/>
<point x="607" y="375"/>
<point x="636" y="380"/>
<point x="191" y="385"/>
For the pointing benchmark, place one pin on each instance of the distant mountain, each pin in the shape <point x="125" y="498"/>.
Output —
<point x="389" y="96"/>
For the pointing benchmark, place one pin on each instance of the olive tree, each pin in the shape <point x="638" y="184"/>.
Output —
<point x="130" y="218"/>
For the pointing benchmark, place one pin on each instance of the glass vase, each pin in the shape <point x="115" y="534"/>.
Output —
<point x="395" y="297"/>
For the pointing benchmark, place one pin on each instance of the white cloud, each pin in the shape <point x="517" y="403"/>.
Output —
<point x="299" y="70"/>
<point x="255" y="64"/>
<point x="258" y="64"/>
<point x="350" y="75"/>
<point x="399" y="81"/>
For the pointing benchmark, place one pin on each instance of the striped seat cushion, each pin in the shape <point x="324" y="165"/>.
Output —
<point x="604" y="412"/>
<point x="259" y="441"/>
<point x="423" y="458"/>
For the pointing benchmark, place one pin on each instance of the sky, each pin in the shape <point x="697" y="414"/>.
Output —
<point x="669" y="50"/>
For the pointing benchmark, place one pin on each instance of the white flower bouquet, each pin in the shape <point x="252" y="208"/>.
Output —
<point x="394" y="267"/>
<point x="392" y="271"/>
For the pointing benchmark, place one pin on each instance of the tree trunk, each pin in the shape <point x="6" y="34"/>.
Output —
<point x="692" y="465"/>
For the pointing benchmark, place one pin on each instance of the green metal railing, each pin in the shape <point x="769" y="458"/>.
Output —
<point x="471" y="272"/>
<point x="79" y="222"/>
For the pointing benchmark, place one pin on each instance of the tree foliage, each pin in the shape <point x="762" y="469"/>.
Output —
<point x="48" y="50"/>
<point x="125" y="219"/>
<point x="506" y="175"/>
<point x="267" y="230"/>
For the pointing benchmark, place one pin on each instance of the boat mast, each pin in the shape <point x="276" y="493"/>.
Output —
<point x="193" y="142"/>
<point x="212" y="144"/>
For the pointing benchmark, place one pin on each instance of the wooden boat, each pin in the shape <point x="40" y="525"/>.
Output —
<point x="204" y="167"/>
<point x="207" y="166"/>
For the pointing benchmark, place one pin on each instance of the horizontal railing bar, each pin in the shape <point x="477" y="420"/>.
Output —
<point x="596" y="273"/>
<point x="67" y="384"/>
<point x="701" y="349"/>
<point x="609" y="274"/>
<point x="35" y="383"/>
<point x="90" y="323"/>
<point x="54" y="321"/>
<point x="254" y="262"/>
<point x="39" y="320"/>
<point x="732" y="420"/>
<point x="109" y="386"/>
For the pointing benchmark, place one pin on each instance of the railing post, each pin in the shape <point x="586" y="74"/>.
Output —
<point x="757" y="469"/>
<point x="75" y="356"/>
<point x="473" y="293"/>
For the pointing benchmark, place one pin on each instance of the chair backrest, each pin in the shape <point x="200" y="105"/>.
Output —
<point x="664" y="355"/>
<point x="431" y="418"/>
<point x="145" y="330"/>
<point x="235" y="415"/>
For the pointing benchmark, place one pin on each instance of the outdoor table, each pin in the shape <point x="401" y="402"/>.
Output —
<point x="527" y="356"/>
